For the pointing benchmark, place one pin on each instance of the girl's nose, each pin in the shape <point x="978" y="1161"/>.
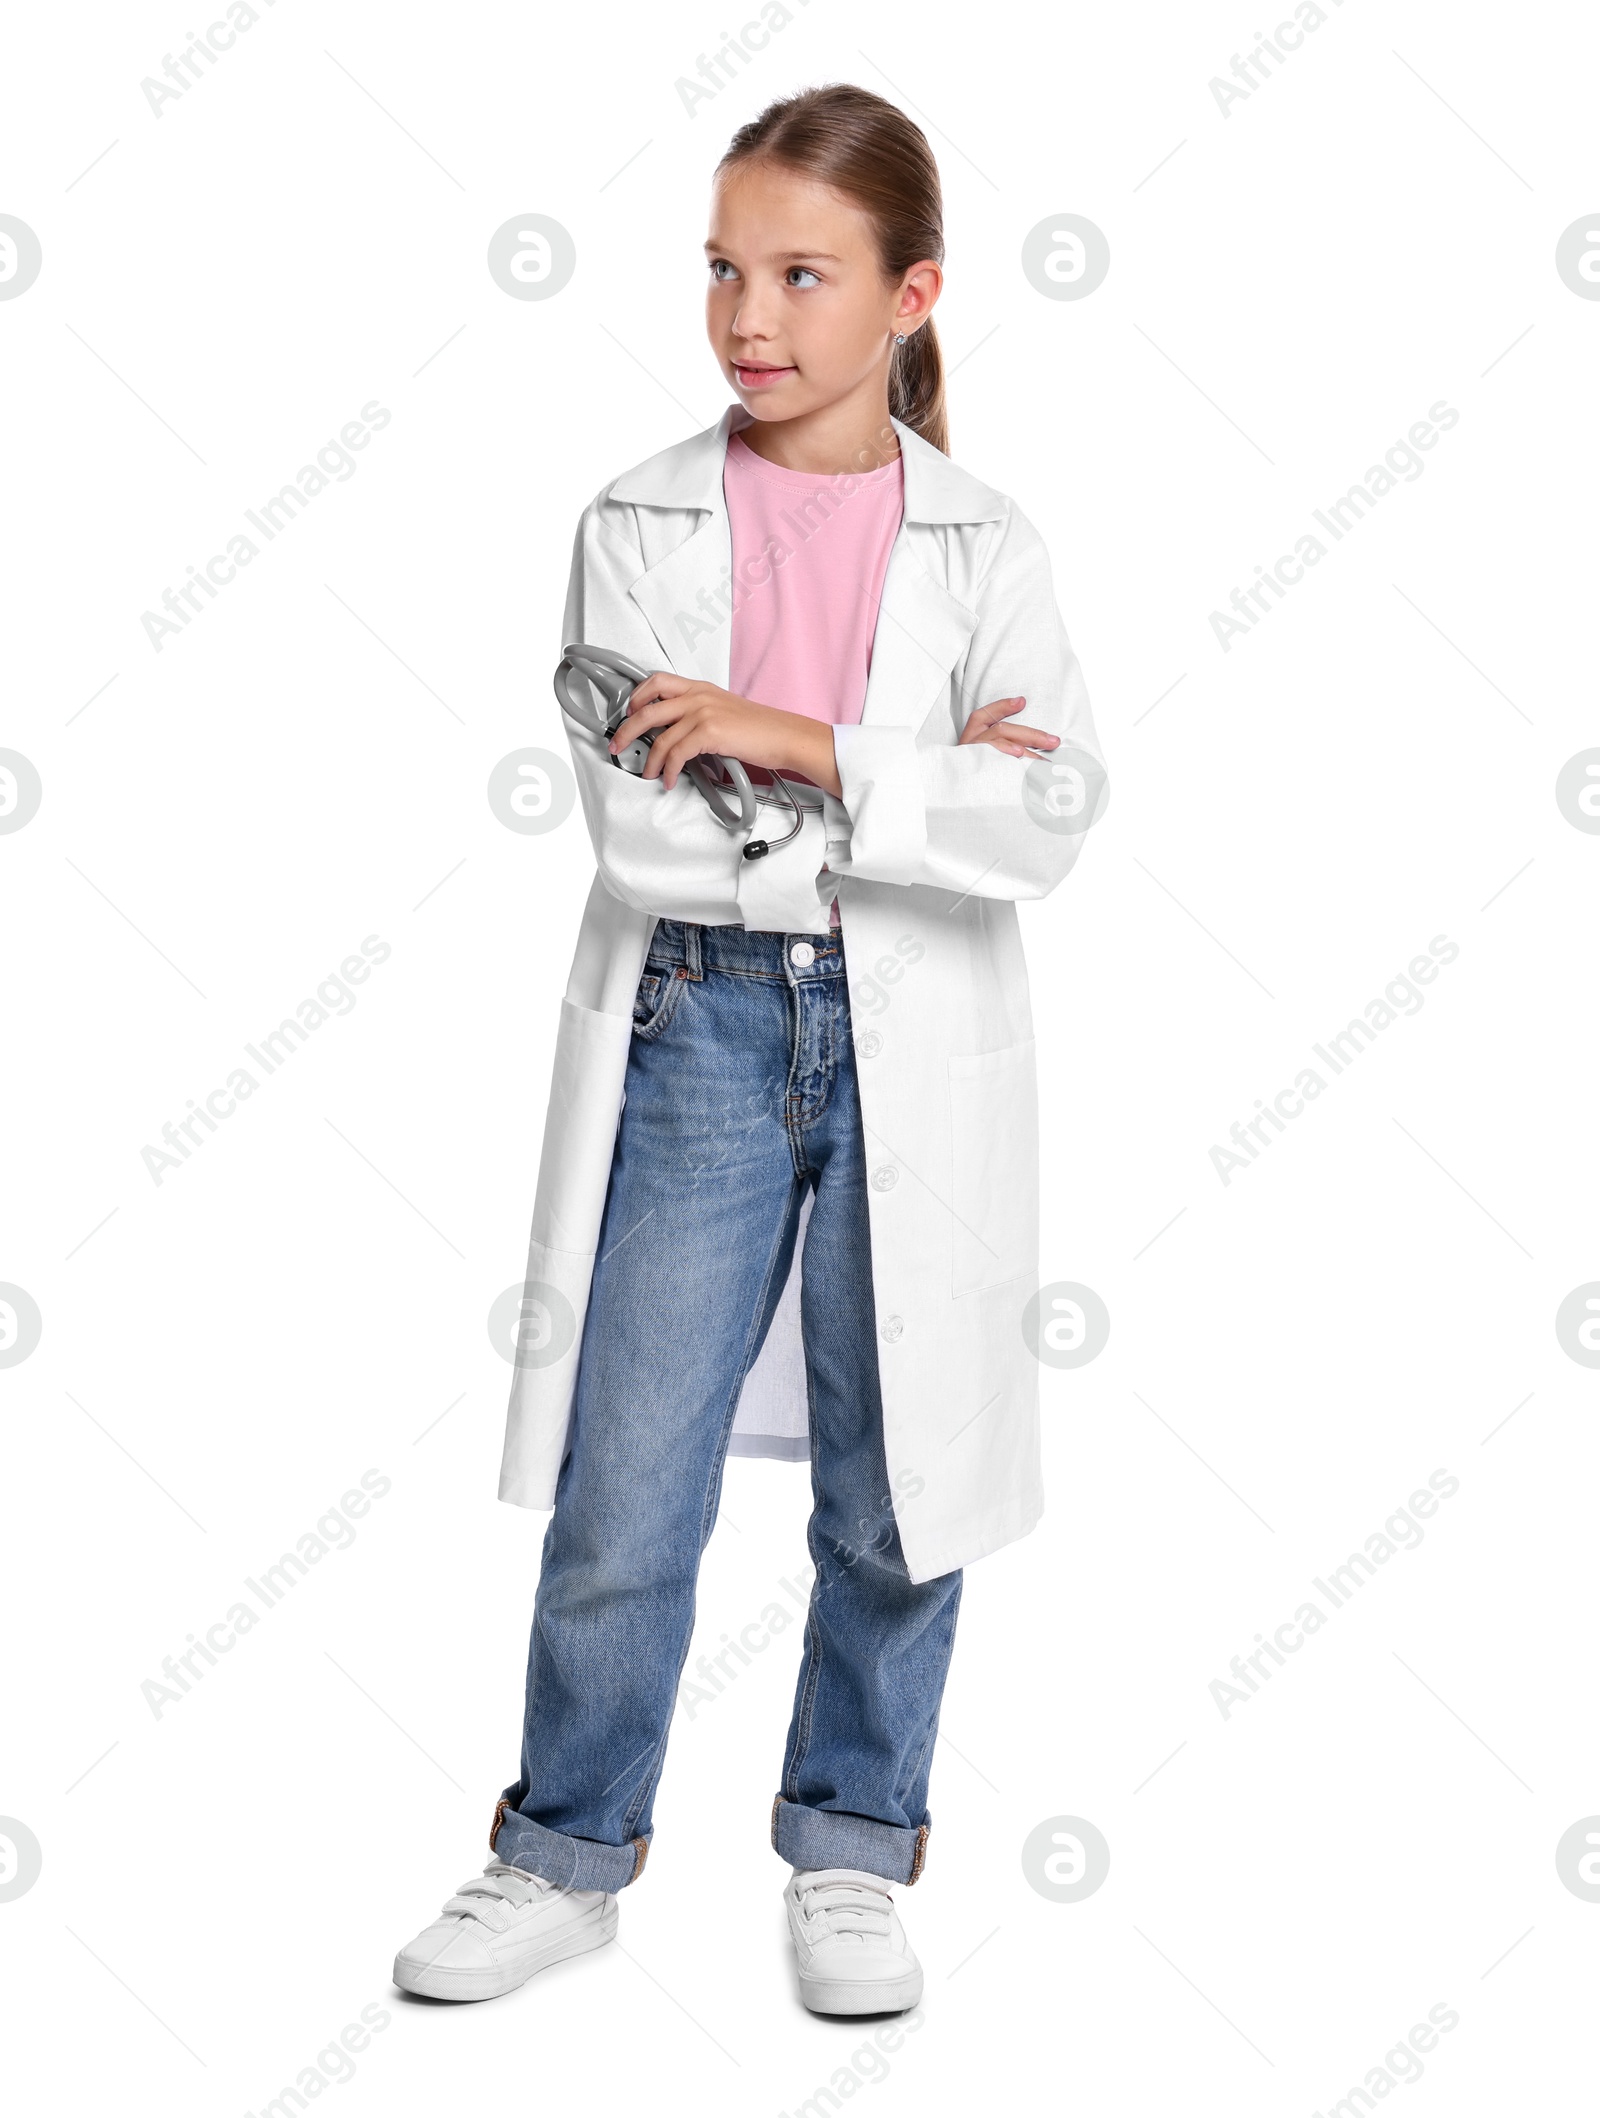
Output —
<point x="751" y="322"/>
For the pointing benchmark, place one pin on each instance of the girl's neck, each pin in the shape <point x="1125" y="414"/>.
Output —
<point x="834" y="441"/>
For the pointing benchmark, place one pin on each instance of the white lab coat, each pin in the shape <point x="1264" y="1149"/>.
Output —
<point x="928" y="849"/>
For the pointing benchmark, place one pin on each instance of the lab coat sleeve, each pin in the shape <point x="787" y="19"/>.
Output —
<point x="659" y="848"/>
<point x="924" y="808"/>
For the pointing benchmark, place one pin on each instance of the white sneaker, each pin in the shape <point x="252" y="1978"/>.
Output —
<point x="853" y="1953"/>
<point x="498" y="1930"/>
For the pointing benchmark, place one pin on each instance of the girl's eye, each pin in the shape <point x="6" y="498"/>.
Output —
<point x="806" y="272"/>
<point x="717" y="264"/>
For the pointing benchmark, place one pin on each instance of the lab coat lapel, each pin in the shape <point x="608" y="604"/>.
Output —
<point x="922" y="630"/>
<point x="682" y="595"/>
<point x="680" y="598"/>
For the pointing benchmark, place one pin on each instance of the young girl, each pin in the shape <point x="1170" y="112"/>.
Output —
<point x="812" y="1230"/>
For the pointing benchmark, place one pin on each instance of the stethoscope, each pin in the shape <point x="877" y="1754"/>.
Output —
<point x="724" y="782"/>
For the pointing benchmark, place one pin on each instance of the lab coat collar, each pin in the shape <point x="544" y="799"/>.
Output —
<point x="690" y="475"/>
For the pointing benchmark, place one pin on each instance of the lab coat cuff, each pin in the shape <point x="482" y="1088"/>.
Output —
<point x="780" y="893"/>
<point x="880" y="780"/>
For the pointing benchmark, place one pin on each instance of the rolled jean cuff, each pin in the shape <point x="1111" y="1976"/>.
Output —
<point x="574" y="1864"/>
<point x="830" y="1838"/>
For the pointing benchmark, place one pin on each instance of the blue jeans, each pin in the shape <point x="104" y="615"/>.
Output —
<point x="740" y="1095"/>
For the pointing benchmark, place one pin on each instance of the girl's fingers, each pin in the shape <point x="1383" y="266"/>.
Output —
<point x="668" y="753"/>
<point x="1033" y="742"/>
<point x="660" y="684"/>
<point x="647" y="713"/>
<point x="661" y="689"/>
<point x="983" y="718"/>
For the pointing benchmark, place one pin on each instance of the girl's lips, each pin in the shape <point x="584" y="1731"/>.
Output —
<point x="758" y="378"/>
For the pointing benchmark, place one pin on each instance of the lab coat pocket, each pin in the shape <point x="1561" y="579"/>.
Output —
<point x="591" y="1060"/>
<point x="994" y="1167"/>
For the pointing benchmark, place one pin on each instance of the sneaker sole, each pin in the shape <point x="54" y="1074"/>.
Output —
<point x="439" y="1982"/>
<point x="851" y="1996"/>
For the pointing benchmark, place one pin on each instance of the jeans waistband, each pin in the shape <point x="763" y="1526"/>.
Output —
<point x="755" y="952"/>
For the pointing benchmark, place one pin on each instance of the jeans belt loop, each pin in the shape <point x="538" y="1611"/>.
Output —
<point x="691" y="948"/>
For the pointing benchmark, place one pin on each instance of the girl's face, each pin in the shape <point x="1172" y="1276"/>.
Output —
<point x="797" y="310"/>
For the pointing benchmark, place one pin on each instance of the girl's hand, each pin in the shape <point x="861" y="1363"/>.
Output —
<point x="988" y="724"/>
<point x="695" y="718"/>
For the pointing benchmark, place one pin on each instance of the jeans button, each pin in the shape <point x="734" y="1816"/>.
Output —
<point x="802" y="953"/>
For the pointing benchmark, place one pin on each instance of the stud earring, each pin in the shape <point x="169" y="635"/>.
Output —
<point x="899" y="338"/>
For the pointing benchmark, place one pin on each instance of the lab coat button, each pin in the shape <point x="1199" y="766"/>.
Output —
<point x="892" y="1327"/>
<point x="884" y="1178"/>
<point x="869" y="1045"/>
<point x="802" y="953"/>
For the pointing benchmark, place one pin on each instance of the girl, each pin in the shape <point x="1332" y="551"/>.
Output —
<point x="771" y="1251"/>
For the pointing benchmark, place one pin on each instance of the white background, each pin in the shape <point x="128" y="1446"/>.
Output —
<point x="1292" y="1887"/>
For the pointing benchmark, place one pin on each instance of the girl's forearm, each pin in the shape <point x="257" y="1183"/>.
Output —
<point x="814" y="753"/>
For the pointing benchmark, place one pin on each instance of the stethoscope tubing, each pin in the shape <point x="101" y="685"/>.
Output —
<point x="614" y="677"/>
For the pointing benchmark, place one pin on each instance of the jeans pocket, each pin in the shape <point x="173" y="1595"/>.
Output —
<point x="656" y="1001"/>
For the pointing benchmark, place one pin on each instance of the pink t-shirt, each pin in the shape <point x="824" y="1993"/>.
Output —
<point x="810" y="551"/>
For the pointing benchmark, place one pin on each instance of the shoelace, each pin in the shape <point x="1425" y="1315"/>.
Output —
<point x="851" y="1903"/>
<point x="499" y="1884"/>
